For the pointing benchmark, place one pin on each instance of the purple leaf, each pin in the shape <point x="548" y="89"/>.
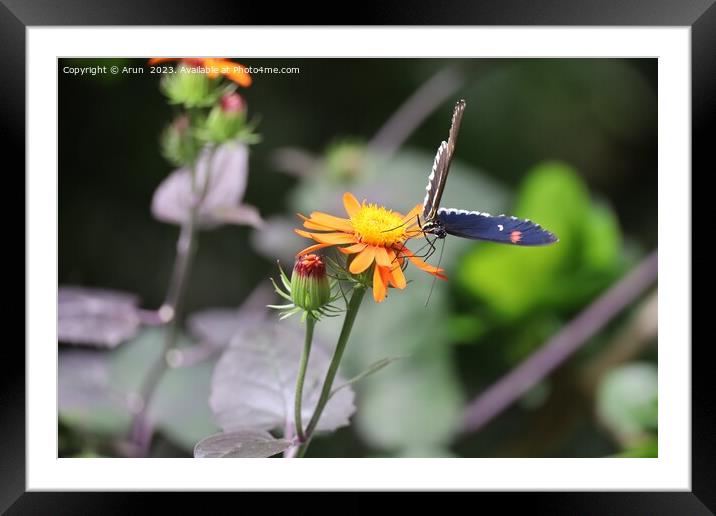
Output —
<point x="242" y="215"/>
<point x="217" y="326"/>
<point x="246" y="443"/>
<point x="225" y="187"/>
<point x="86" y="396"/>
<point x="254" y="381"/>
<point x="84" y="378"/>
<point x="277" y="239"/>
<point x="97" y="317"/>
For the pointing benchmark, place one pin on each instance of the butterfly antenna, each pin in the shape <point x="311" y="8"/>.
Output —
<point x="432" y="286"/>
<point x="396" y="227"/>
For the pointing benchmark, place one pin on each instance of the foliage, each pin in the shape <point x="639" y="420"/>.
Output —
<point x="513" y="282"/>
<point x="253" y="382"/>
<point x="98" y="391"/>
<point x="627" y="404"/>
<point x="562" y="142"/>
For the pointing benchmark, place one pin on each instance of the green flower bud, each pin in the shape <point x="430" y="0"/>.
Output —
<point x="227" y="121"/>
<point x="310" y="288"/>
<point x="178" y="144"/>
<point x="191" y="88"/>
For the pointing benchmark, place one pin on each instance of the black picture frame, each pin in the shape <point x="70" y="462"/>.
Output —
<point x="17" y="15"/>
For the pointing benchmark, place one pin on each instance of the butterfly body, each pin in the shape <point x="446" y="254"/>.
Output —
<point x="474" y="225"/>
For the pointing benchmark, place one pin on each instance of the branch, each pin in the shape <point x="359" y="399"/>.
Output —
<point x="560" y="347"/>
<point x="415" y="110"/>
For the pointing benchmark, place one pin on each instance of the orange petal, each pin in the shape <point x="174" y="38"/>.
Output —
<point x="382" y="258"/>
<point x="328" y="238"/>
<point x="311" y="224"/>
<point x="157" y="60"/>
<point x="237" y="73"/>
<point x="430" y="269"/>
<point x="210" y="63"/>
<point x="395" y="259"/>
<point x="332" y="222"/>
<point x="334" y="238"/>
<point x="420" y="264"/>
<point x="303" y="233"/>
<point x="312" y="248"/>
<point x="351" y="204"/>
<point x="397" y="278"/>
<point x="362" y="260"/>
<point x="412" y="217"/>
<point x="352" y="249"/>
<point x="380" y="288"/>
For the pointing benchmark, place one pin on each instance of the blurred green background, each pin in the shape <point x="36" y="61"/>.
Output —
<point x="569" y="143"/>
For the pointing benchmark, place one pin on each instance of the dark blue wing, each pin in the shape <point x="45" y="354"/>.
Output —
<point x="499" y="228"/>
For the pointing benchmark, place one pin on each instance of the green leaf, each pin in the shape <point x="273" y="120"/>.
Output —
<point x="647" y="448"/>
<point x="416" y="406"/>
<point x="422" y="452"/>
<point x="466" y="327"/>
<point x="627" y="400"/>
<point x="514" y="281"/>
<point x="601" y="239"/>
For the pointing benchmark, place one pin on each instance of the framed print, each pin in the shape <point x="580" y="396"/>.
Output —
<point x="408" y="258"/>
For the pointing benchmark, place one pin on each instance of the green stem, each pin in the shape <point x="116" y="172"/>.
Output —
<point x="310" y="325"/>
<point x="351" y="313"/>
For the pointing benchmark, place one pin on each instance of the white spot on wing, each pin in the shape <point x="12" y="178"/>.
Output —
<point x="455" y="211"/>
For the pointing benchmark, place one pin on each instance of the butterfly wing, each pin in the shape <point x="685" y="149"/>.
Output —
<point x="437" y="175"/>
<point x="441" y="165"/>
<point x="500" y="228"/>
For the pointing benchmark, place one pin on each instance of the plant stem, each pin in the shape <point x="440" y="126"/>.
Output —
<point x="351" y="313"/>
<point x="310" y="325"/>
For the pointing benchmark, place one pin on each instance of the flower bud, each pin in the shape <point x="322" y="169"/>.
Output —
<point x="310" y="288"/>
<point x="232" y="103"/>
<point x="177" y="142"/>
<point x="190" y="87"/>
<point x="227" y="121"/>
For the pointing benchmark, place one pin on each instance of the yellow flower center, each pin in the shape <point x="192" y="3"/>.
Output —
<point x="375" y="225"/>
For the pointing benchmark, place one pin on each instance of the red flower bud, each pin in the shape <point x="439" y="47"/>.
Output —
<point x="232" y="103"/>
<point x="310" y="288"/>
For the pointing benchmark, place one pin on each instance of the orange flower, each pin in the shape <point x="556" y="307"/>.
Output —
<point x="373" y="234"/>
<point x="233" y="71"/>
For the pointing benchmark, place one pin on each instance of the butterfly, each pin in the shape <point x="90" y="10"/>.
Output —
<point x="475" y="225"/>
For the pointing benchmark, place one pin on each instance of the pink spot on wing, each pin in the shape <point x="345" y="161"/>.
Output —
<point x="515" y="236"/>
